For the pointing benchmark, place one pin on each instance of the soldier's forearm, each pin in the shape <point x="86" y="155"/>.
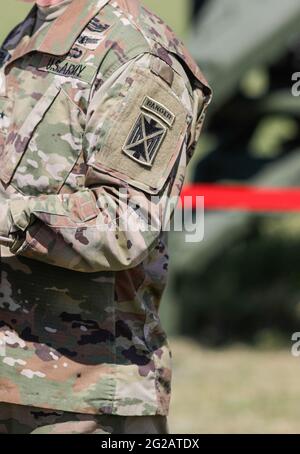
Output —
<point x="75" y="231"/>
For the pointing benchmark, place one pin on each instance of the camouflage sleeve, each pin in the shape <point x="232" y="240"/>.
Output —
<point x="138" y="125"/>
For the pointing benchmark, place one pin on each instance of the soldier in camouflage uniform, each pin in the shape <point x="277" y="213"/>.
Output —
<point x="100" y="110"/>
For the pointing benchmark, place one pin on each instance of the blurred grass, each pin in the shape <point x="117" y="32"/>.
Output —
<point x="235" y="390"/>
<point x="175" y="12"/>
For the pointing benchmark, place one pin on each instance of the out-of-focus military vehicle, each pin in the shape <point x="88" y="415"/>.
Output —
<point x="243" y="281"/>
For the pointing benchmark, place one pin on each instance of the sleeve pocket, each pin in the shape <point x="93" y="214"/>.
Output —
<point x="145" y="138"/>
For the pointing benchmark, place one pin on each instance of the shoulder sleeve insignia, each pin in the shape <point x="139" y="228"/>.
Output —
<point x="143" y="133"/>
<point x="148" y="132"/>
<point x="145" y="139"/>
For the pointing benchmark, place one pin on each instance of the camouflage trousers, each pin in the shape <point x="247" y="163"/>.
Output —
<point x="18" y="419"/>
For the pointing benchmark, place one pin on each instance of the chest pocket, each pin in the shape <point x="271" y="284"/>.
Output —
<point x="39" y="154"/>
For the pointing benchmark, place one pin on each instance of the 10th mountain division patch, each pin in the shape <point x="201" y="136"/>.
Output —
<point x="145" y="139"/>
<point x="148" y="132"/>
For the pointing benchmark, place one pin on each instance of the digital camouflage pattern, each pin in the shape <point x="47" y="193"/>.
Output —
<point x="99" y="111"/>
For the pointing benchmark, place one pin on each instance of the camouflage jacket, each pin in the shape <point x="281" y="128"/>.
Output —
<point x="99" y="112"/>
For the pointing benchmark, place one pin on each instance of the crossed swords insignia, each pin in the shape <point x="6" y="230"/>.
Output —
<point x="145" y="139"/>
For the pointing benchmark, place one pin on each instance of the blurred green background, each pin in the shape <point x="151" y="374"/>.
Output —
<point x="233" y="300"/>
<point x="15" y="10"/>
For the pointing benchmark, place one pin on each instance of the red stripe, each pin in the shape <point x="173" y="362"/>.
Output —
<point x="243" y="198"/>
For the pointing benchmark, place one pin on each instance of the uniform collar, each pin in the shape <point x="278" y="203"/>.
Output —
<point x="61" y="35"/>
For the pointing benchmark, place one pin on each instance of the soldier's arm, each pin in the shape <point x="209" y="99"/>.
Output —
<point x="113" y="222"/>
